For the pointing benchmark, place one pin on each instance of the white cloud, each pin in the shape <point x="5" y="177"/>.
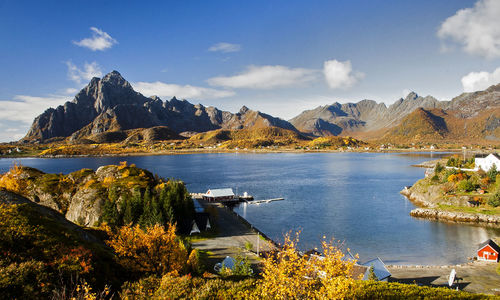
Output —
<point x="89" y="70"/>
<point x="476" y="28"/>
<point x="25" y="108"/>
<point x="476" y="81"/>
<point x="265" y="77"/>
<point x="70" y="91"/>
<point x="225" y="47"/>
<point x="166" y="90"/>
<point x="100" y="40"/>
<point x="339" y="74"/>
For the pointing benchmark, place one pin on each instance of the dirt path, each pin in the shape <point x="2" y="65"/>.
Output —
<point x="477" y="277"/>
<point x="232" y="236"/>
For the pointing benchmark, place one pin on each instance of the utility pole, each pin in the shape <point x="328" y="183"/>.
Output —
<point x="258" y="243"/>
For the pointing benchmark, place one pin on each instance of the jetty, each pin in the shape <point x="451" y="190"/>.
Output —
<point x="264" y="200"/>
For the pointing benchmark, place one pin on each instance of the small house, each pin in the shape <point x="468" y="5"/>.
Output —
<point x="485" y="163"/>
<point x="217" y="195"/>
<point x="488" y="251"/>
<point x="379" y="269"/>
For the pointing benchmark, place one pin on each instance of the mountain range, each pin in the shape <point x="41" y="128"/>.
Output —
<point x="109" y="110"/>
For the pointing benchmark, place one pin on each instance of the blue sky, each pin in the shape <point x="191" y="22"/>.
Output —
<point x="280" y="57"/>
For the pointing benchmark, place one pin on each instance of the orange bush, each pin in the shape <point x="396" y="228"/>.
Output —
<point x="12" y="180"/>
<point x="154" y="250"/>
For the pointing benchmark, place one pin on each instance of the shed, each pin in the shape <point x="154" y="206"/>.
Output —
<point x="215" y="195"/>
<point x="378" y="268"/>
<point x="488" y="251"/>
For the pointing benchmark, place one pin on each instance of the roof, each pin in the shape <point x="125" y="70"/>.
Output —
<point x="378" y="268"/>
<point x="490" y="243"/>
<point x="496" y="155"/>
<point x="358" y="271"/>
<point x="219" y="193"/>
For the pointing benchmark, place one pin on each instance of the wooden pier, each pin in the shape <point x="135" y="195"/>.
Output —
<point x="264" y="201"/>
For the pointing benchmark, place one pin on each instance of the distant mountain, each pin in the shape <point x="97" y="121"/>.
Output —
<point x="466" y="117"/>
<point x="107" y="109"/>
<point x="365" y="115"/>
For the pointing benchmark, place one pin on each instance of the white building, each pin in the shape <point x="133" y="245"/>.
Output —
<point x="485" y="163"/>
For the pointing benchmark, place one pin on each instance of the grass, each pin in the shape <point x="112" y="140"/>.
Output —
<point x="474" y="210"/>
<point x="205" y="235"/>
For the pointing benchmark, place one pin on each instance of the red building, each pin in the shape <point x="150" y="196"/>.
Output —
<point x="488" y="251"/>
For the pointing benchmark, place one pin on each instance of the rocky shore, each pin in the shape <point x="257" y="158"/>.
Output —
<point x="428" y="210"/>
<point x="459" y="217"/>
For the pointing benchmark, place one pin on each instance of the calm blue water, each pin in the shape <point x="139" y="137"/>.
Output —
<point x="353" y="197"/>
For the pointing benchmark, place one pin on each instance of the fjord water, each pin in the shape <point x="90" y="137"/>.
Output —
<point x="353" y="197"/>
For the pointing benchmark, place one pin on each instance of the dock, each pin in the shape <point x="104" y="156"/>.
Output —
<point x="264" y="201"/>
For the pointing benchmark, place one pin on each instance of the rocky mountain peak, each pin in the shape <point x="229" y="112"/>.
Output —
<point x="411" y="96"/>
<point x="244" y="110"/>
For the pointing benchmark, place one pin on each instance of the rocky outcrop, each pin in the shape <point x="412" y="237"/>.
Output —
<point x="10" y="198"/>
<point x="459" y="217"/>
<point x="429" y="197"/>
<point x="110" y="104"/>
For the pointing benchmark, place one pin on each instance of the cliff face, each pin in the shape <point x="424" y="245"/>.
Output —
<point x="110" y="104"/>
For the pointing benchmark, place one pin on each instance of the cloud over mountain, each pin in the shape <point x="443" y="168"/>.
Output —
<point x="477" y="28"/>
<point x="475" y="81"/>
<point x="339" y="74"/>
<point x="168" y="90"/>
<point x="100" y="40"/>
<point x="265" y="77"/>
<point x="89" y="71"/>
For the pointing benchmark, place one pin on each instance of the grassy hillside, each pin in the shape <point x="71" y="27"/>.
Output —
<point x="42" y="252"/>
<point x="438" y="126"/>
<point x="248" y="138"/>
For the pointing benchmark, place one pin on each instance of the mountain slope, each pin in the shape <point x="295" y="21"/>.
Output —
<point x="365" y="115"/>
<point x="110" y="104"/>
<point x="466" y="117"/>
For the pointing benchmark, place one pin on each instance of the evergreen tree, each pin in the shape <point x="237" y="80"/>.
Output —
<point x="128" y="213"/>
<point x="146" y="218"/>
<point x="110" y="213"/>
<point x="371" y="274"/>
<point x="492" y="173"/>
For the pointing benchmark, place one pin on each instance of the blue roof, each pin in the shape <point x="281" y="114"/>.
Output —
<point x="378" y="268"/>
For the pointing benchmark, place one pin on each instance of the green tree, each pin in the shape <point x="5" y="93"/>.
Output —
<point x="492" y="173"/>
<point x="110" y="213"/>
<point x="438" y="168"/>
<point x="494" y="199"/>
<point x="371" y="274"/>
<point x="465" y="185"/>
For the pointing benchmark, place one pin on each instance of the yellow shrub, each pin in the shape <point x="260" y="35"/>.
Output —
<point x="122" y="165"/>
<point x="89" y="183"/>
<point x="12" y="180"/>
<point x="108" y="180"/>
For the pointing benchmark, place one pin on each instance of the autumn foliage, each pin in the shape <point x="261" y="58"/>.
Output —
<point x="12" y="180"/>
<point x="289" y="275"/>
<point x="155" y="250"/>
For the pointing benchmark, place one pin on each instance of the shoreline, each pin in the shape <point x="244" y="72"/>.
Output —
<point x="239" y="151"/>
<point x="429" y="211"/>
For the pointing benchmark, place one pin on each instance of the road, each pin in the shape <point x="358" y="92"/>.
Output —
<point x="232" y="236"/>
